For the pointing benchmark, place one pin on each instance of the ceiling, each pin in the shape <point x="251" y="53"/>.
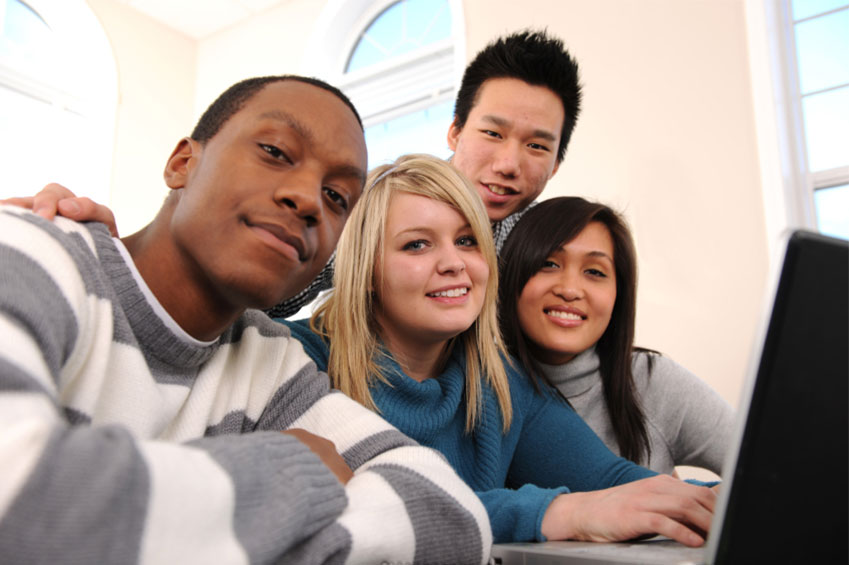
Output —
<point x="200" y="18"/>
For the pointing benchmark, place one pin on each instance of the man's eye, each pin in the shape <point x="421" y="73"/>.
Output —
<point x="416" y="245"/>
<point x="275" y="152"/>
<point x="336" y="198"/>
<point x="491" y="133"/>
<point x="538" y="147"/>
<point x="467" y="241"/>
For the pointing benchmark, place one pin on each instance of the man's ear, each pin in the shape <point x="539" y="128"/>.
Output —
<point x="554" y="170"/>
<point x="453" y="135"/>
<point x="181" y="162"/>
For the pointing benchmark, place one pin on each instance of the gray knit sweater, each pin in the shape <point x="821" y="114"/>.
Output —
<point x="688" y="422"/>
<point x="122" y="441"/>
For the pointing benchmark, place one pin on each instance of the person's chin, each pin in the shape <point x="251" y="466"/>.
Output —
<point x="263" y="296"/>
<point x="498" y="212"/>
<point x="453" y="328"/>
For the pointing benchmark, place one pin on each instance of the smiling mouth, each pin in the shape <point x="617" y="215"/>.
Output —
<point x="500" y="190"/>
<point x="452" y="293"/>
<point x="281" y="240"/>
<point x="564" y="315"/>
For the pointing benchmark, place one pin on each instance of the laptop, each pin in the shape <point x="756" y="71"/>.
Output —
<point x="785" y="491"/>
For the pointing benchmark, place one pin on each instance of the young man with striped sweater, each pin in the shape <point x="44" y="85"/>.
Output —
<point x="141" y="400"/>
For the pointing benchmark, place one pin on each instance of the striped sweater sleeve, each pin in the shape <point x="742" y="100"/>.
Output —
<point x="444" y="532"/>
<point x="77" y="493"/>
<point x="405" y="502"/>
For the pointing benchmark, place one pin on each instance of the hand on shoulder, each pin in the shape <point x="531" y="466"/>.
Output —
<point x="56" y="199"/>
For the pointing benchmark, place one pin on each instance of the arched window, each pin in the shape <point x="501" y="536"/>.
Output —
<point x="58" y="93"/>
<point x="400" y="62"/>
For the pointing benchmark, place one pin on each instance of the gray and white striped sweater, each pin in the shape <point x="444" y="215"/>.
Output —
<point x="122" y="443"/>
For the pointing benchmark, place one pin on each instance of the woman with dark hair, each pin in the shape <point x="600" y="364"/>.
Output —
<point x="567" y="312"/>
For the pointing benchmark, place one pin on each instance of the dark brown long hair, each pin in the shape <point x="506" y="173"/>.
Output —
<point x="542" y="230"/>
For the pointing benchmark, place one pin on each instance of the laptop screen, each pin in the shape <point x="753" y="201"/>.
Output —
<point x="789" y="498"/>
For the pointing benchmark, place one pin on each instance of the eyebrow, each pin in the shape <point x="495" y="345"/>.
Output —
<point x="602" y="254"/>
<point x="427" y="229"/>
<point x="351" y="171"/>
<point x="345" y="170"/>
<point x="290" y="121"/>
<point x="423" y="229"/>
<point x="503" y="122"/>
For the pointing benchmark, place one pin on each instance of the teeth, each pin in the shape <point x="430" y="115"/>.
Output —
<point x="563" y="315"/>
<point x="453" y="293"/>
<point x="497" y="189"/>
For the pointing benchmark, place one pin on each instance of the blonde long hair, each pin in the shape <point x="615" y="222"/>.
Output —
<point x="347" y="317"/>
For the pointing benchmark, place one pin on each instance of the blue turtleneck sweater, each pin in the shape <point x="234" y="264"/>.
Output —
<point x="547" y="451"/>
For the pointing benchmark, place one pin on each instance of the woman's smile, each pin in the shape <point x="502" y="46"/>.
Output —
<point x="432" y="277"/>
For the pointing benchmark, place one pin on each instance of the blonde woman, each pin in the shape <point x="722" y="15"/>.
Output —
<point x="410" y="330"/>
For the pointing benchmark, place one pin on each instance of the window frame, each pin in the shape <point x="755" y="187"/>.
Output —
<point x="788" y="185"/>
<point x="421" y="78"/>
<point x="814" y="180"/>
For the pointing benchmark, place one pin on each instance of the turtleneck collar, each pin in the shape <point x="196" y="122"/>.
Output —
<point x="420" y="409"/>
<point x="575" y="377"/>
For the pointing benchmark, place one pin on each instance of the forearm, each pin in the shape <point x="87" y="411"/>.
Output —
<point x="86" y="495"/>
<point x="100" y="493"/>
<point x="406" y="504"/>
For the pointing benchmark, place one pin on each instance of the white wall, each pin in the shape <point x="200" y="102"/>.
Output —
<point x="271" y="43"/>
<point x="156" y="83"/>
<point x="667" y="135"/>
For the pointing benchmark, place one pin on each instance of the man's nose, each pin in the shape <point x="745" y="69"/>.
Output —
<point x="302" y="194"/>
<point x="506" y="160"/>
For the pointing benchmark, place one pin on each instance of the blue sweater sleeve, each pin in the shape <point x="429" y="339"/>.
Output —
<point x="556" y="452"/>
<point x="516" y="515"/>
<point x="557" y="448"/>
